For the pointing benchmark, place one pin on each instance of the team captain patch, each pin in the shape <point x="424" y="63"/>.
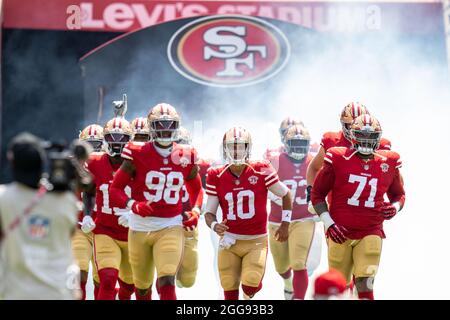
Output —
<point x="384" y="167"/>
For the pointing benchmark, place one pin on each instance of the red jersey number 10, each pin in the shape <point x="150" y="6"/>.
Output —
<point x="240" y="197"/>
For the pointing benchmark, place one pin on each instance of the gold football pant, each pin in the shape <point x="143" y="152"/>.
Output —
<point x="245" y="262"/>
<point x="188" y="270"/>
<point x="362" y="257"/>
<point x="111" y="253"/>
<point x="294" y="252"/>
<point x="162" y="249"/>
<point x="83" y="252"/>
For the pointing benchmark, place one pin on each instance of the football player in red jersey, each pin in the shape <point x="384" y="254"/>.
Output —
<point x="293" y="255"/>
<point x="156" y="171"/>
<point x="338" y="139"/>
<point x="240" y="188"/>
<point x="359" y="178"/>
<point x="141" y="130"/>
<point x="82" y="243"/>
<point x="110" y="226"/>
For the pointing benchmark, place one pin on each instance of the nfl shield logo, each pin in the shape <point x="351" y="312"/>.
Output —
<point x="38" y="227"/>
<point x="253" y="179"/>
<point x="384" y="167"/>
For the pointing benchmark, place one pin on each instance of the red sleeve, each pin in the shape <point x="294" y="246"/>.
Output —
<point x="195" y="191"/>
<point x="270" y="174"/>
<point x="211" y="183"/>
<point x="396" y="193"/>
<point x="119" y="198"/>
<point x="127" y="152"/>
<point x="325" y="142"/>
<point x="385" y="144"/>
<point x="322" y="184"/>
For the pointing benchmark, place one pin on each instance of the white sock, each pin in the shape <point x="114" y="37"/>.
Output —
<point x="288" y="284"/>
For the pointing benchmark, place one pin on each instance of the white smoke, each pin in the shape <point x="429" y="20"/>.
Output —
<point x="408" y="91"/>
<point x="406" y="86"/>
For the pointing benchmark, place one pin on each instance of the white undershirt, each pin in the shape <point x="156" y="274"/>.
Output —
<point x="164" y="152"/>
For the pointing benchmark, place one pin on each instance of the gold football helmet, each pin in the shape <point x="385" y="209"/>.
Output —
<point x="117" y="133"/>
<point x="237" y="146"/>
<point x="286" y="123"/>
<point x="297" y="140"/>
<point x="164" y="122"/>
<point x="184" y="136"/>
<point x="350" y="112"/>
<point x="365" y="134"/>
<point x="141" y="130"/>
<point x="93" y="134"/>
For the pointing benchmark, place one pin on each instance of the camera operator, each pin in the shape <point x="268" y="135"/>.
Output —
<point x="37" y="221"/>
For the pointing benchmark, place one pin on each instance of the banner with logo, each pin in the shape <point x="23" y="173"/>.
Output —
<point x="192" y="62"/>
<point x="224" y="63"/>
<point x="127" y="15"/>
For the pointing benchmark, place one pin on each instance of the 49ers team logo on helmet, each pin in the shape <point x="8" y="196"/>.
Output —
<point x="228" y="51"/>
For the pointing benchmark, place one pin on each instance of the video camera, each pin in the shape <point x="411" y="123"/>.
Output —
<point x="64" y="168"/>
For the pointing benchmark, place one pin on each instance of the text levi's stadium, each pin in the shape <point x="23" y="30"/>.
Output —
<point x="287" y="147"/>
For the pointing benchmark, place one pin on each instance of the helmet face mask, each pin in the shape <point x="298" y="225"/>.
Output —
<point x="237" y="153"/>
<point x="365" y="134"/>
<point x="365" y="141"/>
<point x="164" y="131"/>
<point x="296" y="142"/>
<point x="297" y="148"/>
<point x="116" y="142"/>
<point x="96" y="144"/>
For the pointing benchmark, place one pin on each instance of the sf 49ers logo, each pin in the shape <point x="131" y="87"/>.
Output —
<point x="228" y="51"/>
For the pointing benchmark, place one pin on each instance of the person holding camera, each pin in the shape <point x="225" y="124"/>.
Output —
<point x="36" y="227"/>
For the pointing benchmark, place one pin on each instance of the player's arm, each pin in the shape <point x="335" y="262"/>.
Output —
<point x="313" y="168"/>
<point x="122" y="178"/>
<point x="396" y="196"/>
<point x="279" y="189"/>
<point x="322" y="186"/>
<point x="88" y="199"/>
<point x="119" y="198"/>
<point x="212" y="204"/>
<point x="194" y="189"/>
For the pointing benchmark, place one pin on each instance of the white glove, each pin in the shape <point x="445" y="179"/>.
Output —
<point x="124" y="217"/>
<point x="88" y="224"/>
<point x="311" y="208"/>
<point x="226" y="242"/>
